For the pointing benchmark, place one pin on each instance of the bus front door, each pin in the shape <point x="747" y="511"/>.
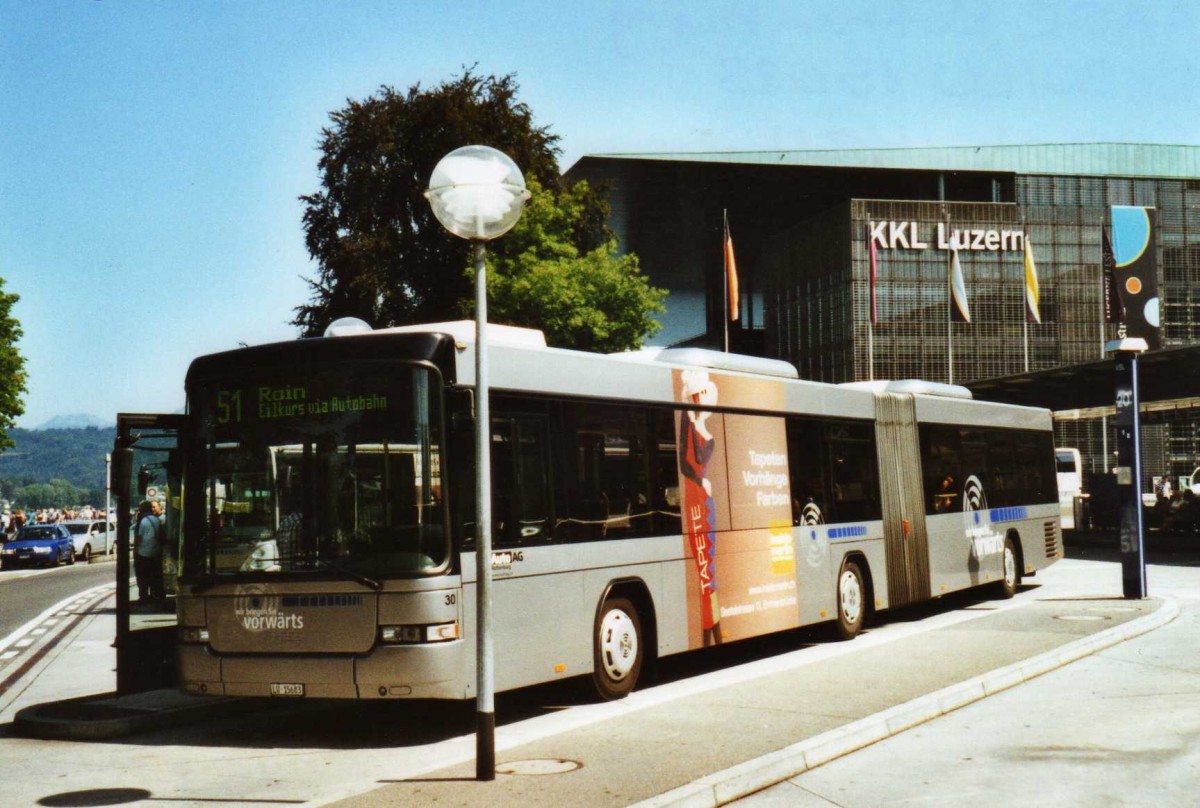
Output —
<point x="146" y="473"/>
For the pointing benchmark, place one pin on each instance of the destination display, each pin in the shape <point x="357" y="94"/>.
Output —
<point x="336" y="397"/>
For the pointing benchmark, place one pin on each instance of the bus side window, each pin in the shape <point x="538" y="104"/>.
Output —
<point x="667" y="516"/>
<point x="608" y="487"/>
<point x="1034" y="453"/>
<point x="520" y="484"/>
<point x="806" y="470"/>
<point x="1006" y="477"/>
<point x="854" y="470"/>
<point x="940" y="468"/>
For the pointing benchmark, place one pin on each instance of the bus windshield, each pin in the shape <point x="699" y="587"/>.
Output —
<point x="307" y="471"/>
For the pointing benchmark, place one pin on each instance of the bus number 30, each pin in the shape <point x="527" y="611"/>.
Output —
<point x="451" y="599"/>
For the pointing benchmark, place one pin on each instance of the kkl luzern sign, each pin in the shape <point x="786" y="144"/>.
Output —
<point x="889" y="235"/>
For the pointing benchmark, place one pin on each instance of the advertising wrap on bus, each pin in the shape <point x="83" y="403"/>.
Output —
<point x="735" y="485"/>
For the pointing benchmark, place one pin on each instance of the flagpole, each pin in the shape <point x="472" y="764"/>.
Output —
<point x="949" y="348"/>
<point x="1026" y="344"/>
<point x="872" y="315"/>
<point x="870" y="351"/>
<point x="1025" y="288"/>
<point x="950" y="319"/>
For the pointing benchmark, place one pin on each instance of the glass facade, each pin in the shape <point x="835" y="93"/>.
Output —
<point x="818" y="294"/>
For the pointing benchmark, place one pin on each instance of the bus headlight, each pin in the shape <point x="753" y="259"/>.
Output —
<point x="440" y="632"/>
<point x="193" y="634"/>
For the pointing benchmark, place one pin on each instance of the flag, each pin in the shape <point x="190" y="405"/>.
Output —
<point x="1033" y="313"/>
<point x="960" y="310"/>
<point x="1134" y="246"/>
<point x="874" y="277"/>
<point x="731" y="276"/>
<point x="1114" y="308"/>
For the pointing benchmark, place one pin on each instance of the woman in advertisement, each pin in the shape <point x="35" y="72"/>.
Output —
<point x="696" y="447"/>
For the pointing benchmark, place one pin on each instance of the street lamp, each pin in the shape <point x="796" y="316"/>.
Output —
<point x="478" y="193"/>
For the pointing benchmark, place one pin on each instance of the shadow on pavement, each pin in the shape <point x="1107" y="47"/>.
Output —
<point x="1168" y="549"/>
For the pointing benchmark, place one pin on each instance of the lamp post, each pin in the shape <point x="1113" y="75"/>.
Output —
<point x="478" y="193"/>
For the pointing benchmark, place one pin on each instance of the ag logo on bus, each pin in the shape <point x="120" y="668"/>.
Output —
<point x="504" y="560"/>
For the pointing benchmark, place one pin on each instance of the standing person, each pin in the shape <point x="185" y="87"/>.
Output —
<point x="147" y="551"/>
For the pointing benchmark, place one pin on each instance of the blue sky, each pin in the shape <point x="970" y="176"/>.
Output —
<point x="152" y="152"/>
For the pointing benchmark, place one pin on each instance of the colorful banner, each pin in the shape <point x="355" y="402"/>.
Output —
<point x="1033" y="293"/>
<point x="731" y="277"/>
<point x="960" y="309"/>
<point x="1114" y="309"/>
<point x="1134" y="245"/>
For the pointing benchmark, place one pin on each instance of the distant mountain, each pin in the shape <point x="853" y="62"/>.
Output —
<point x="75" y="455"/>
<point x="77" y="421"/>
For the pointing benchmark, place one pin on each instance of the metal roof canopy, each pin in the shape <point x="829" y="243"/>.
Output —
<point x="1162" y="376"/>
<point x="1075" y="159"/>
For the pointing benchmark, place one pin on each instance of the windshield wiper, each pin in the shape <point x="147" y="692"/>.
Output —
<point x="358" y="577"/>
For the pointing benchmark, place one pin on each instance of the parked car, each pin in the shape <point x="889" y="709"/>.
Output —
<point x="91" y="536"/>
<point x="39" y="544"/>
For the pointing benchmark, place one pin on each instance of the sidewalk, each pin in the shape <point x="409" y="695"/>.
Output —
<point x="716" y="747"/>
<point x="702" y="740"/>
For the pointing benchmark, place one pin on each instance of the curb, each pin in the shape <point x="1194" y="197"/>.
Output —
<point x="102" y="717"/>
<point x="746" y="778"/>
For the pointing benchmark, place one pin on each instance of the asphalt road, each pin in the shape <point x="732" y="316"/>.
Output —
<point x="26" y="593"/>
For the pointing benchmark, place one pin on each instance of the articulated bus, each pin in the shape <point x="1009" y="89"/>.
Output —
<point x="644" y="504"/>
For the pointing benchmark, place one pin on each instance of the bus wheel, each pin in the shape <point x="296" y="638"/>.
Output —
<point x="851" y="601"/>
<point x="618" y="649"/>
<point x="1012" y="577"/>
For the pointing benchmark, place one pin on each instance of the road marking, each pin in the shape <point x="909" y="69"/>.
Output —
<point x="57" y="610"/>
<point x="33" y="656"/>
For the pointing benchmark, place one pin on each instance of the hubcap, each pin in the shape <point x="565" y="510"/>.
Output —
<point x="618" y="644"/>
<point x="1010" y="567"/>
<point x="850" y="596"/>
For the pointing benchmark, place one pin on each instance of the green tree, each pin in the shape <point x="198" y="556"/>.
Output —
<point x="383" y="257"/>
<point x="589" y="299"/>
<point x="55" y="494"/>
<point x="381" y="254"/>
<point x="12" y="368"/>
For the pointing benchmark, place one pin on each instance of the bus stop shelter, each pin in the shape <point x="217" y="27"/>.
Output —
<point x="1166" y="375"/>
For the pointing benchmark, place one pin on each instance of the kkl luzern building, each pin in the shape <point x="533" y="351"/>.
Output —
<point x="811" y="228"/>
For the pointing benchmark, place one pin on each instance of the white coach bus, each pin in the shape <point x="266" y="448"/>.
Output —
<point x="644" y="504"/>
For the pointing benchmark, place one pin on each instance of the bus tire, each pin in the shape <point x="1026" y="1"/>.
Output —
<point x="1010" y="574"/>
<point x="618" y="649"/>
<point x="851" y="601"/>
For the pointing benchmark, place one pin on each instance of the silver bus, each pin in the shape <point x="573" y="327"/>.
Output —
<point x="644" y="504"/>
